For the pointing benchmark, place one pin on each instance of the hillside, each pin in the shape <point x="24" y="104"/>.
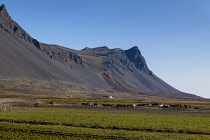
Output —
<point x="24" y="58"/>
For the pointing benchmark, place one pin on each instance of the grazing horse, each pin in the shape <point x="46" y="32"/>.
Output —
<point x="164" y="106"/>
<point x="106" y="105"/>
<point x="176" y="106"/>
<point x="142" y="105"/>
<point x="129" y="106"/>
<point x="155" y="104"/>
<point x="51" y="103"/>
<point x="120" y="106"/>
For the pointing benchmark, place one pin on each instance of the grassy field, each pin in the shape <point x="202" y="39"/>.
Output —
<point x="64" y="122"/>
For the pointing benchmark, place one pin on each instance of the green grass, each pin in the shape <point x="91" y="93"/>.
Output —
<point x="102" y="123"/>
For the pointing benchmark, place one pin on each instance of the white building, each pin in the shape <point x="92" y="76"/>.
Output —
<point x="108" y="97"/>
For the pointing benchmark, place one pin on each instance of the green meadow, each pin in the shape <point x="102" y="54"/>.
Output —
<point x="63" y="122"/>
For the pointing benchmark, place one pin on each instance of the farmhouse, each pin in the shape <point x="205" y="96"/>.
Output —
<point x="108" y="97"/>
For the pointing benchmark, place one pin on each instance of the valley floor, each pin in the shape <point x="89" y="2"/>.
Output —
<point x="69" y="122"/>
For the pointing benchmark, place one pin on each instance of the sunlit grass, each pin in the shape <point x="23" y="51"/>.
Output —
<point x="102" y="123"/>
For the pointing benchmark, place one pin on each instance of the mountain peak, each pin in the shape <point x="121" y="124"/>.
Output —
<point x="86" y="48"/>
<point x="135" y="56"/>
<point x="3" y="11"/>
<point x="135" y="47"/>
<point x="102" y="47"/>
<point x="4" y="16"/>
<point x="10" y="26"/>
<point x="134" y="51"/>
<point x="2" y="7"/>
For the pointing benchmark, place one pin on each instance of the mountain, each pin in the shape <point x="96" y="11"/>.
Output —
<point x="24" y="58"/>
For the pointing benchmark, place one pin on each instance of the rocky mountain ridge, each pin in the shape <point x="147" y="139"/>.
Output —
<point x="23" y="57"/>
<point x="14" y="28"/>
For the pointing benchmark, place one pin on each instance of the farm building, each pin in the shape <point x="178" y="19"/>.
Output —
<point x="108" y="97"/>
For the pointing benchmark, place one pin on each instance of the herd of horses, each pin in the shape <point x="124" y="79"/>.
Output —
<point x="180" y="106"/>
<point x="173" y="106"/>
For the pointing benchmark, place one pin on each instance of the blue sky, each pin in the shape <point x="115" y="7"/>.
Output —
<point x="173" y="35"/>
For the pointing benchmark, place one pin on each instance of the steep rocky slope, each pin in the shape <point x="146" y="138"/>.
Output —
<point x="125" y="70"/>
<point x="24" y="58"/>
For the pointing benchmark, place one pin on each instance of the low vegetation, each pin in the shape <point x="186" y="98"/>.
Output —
<point x="64" y="122"/>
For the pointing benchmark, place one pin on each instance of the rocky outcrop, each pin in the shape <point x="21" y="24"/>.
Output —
<point x="135" y="56"/>
<point x="124" y="70"/>
<point x="60" y="54"/>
